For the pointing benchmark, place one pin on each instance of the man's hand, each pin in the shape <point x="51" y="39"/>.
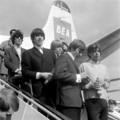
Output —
<point x="97" y="84"/>
<point x="49" y="77"/>
<point x="45" y="75"/>
<point x="84" y="80"/>
<point x="18" y="72"/>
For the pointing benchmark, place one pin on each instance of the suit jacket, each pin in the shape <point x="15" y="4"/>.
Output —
<point x="12" y="60"/>
<point x="69" y="92"/>
<point x="4" y="45"/>
<point x="32" y="62"/>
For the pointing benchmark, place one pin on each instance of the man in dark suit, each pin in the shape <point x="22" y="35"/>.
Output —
<point x="37" y="64"/>
<point x="12" y="61"/>
<point x="68" y="77"/>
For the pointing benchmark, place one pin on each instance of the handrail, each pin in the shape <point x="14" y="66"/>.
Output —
<point x="49" y="110"/>
<point x="114" y="117"/>
<point x="114" y="90"/>
<point x="115" y="79"/>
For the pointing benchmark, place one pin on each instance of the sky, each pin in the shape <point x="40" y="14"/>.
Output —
<point x="92" y="20"/>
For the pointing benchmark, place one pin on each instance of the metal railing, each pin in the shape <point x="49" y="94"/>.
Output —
<point x="50" y="112"/>
<point x="114" y="90"/>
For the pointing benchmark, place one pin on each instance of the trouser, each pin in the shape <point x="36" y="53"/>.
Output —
<point x="72" y="112"/>
<point x="97" y="109"/>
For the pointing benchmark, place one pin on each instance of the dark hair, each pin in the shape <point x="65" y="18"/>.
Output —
<point x="77" y="43"/>
<point x="92" y="48"/>
<point x="8" y="99"/>
<point x="37" y="32"/>
<point x="64" y="43"/>
<point x="56" y="43"/>
<point x="11" y="31"/>
<point x="112" y="102"/>
<point x="17" y="34"/>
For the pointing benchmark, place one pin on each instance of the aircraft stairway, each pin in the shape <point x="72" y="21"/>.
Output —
<point x="28" y="110"/>
<point x="114" y="93"/>
<point x="114" y="89"/>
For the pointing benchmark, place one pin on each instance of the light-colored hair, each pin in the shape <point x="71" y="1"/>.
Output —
<point x="8" y="99"/>
<point x="56" y="43"/>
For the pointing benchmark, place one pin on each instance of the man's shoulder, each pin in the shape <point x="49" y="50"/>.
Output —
<point x="5" y="42"/>
<point x="102" y="65"/>
<point x="28" y="50"/>
<point x="64" y="56"/>
<point x="9" y="49"/>
<point x="23" y="48"/>
<point x="84" y="64"/>
<point x="48" y="50"/>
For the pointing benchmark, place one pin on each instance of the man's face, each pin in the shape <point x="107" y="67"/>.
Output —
<point x="18" y="40"/>
<point x="38" y="40"/>
<point x="58" y="50"/>
<point x="95" y="55"/>
<point x="78" y="52"/>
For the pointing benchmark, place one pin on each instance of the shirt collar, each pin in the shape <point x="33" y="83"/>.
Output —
<point x="71" y="55"/>
<point x="94" y="64"/>
<point x="15" y="46"/>
<point x="39" y="47"/>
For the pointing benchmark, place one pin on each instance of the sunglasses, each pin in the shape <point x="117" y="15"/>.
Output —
<point x="21" y="37"/>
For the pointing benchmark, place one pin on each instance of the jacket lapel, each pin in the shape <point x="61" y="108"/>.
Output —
<point x="77" y="69"/>
<point x="36" y="52"/>
<point x="45" y="53"/>
<point x="22" y="50"/>
<point x="14" y="51"/>
<point x="10" y="43"/>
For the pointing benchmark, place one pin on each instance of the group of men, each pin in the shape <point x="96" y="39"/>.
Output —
<point x="37" y="64"/>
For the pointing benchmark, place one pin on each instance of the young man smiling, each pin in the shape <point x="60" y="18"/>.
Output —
<point x="95" y="91"/>
<point x="12" y="61"/>
<point x="37" y="65"/>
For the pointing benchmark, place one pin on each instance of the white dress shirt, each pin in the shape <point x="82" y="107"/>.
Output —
<point x="18" y="50"/>
<point x="38" y="74"/>
<point x="40" y="49"/>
